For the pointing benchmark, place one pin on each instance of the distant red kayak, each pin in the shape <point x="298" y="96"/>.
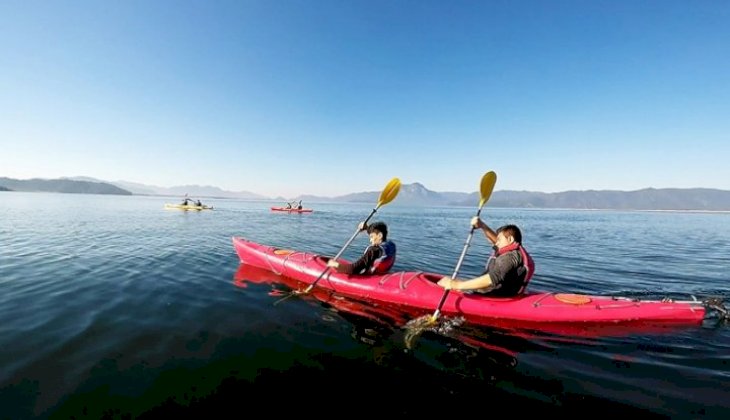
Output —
<point x="419" y="292"/>
<point x="286" y="210"/>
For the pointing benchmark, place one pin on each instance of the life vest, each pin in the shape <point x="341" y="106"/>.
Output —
<point x="527" y="263"/>
<point x="386" y="260"/>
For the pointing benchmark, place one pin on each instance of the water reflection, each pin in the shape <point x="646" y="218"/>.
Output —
<point x="550" y="367"/>
<point x="381" y="326"/>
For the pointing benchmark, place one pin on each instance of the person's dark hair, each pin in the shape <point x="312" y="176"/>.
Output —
<point x="379" y="227"/>
<point x="513" y="231"/>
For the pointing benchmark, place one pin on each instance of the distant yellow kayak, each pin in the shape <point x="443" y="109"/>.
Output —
<point x="187" y="207"/>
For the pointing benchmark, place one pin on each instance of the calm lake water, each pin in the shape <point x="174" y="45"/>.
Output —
<point x="112" y="307"/>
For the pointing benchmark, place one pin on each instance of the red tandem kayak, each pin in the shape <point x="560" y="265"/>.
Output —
<point x="419" y="292"/>
<point x="397" y="316"/>
<point x="286" y="210"/>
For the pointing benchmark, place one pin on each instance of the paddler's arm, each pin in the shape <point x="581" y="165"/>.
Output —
<point x="477" y="223"/>
<point x="340" y="267"/>
<point x="362" y="263"/>
<point x="357" y="266"/>
<point x="480" y="282"/>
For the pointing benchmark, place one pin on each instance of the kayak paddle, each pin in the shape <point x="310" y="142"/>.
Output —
<point x="416" y="325"/>
<point x="386" y="196"/>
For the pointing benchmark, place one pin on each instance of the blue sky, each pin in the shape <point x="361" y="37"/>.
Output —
<point x="283" y="97"/>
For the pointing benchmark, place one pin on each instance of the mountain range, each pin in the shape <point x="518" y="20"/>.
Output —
<point x="415" y="194"/>
<point x="62" y="185"/>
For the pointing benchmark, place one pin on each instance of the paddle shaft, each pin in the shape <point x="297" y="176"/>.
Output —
<point x="339" y="254"/>
<point x="456" y="270"/>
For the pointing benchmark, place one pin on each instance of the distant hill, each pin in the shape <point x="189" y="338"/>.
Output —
<point x="702" y="199"/>
<point x="416" y="194"/>
<point x="179" y="191"/>
<point x="62" y="186"/>
<point x="4" y="189"/>
<point x="191" y="190"/>
<point x="410" y="194"/>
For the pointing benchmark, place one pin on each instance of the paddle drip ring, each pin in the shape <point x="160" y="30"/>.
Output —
<point x="718" y="305"/>
<point x="572" y="298"/>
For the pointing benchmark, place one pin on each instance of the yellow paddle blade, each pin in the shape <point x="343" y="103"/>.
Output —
<point x="389" y="193"/>
<point x="486" y="187"/>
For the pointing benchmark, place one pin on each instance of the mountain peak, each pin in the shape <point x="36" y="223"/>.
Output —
<point x="417" y="185"/>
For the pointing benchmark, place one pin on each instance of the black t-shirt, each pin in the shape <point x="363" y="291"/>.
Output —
<point x="507" y="274"/>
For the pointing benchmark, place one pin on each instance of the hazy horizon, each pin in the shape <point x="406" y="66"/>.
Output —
<point x="275" y="197"/>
